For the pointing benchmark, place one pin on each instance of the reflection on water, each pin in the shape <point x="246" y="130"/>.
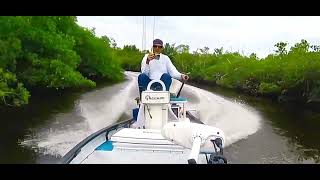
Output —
<point x="300" y="126"/>
<point x="20" y="122"/>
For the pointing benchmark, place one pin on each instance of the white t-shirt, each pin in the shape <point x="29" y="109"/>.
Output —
<point x="156" y="68"/>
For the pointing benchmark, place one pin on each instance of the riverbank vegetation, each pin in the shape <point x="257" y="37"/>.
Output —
<point x="55" y="53"/>
<point x="288" y="74"/>
<point x="42" y="53"/>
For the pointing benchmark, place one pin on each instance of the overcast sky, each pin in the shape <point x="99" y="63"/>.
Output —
<point x="246" y="34"/>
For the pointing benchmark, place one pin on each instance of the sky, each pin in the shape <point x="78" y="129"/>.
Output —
<point x="245" y="34"/>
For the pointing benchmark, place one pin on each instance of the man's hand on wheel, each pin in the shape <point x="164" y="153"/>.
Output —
<point x="184" y="77"/>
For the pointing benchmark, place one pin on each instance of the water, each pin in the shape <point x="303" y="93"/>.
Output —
<point x="288" y="133"/>
<point x="257" y="130"/>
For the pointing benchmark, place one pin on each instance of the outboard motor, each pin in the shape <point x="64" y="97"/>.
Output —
<point x="199" y="138"/>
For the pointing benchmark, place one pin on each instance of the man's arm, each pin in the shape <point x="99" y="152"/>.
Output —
<point x="144" y="66"/>
<point x="173" y="70"/>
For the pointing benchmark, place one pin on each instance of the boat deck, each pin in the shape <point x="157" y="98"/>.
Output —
<point x="139" y="146"/>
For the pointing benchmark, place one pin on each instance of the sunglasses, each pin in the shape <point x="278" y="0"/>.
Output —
<point x="157" y="46"/>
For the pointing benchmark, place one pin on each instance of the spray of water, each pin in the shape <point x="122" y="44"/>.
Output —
<point x="95" y="110"/>
<point x="55" y="142"/>
<point x="103" y="112"/>
<point x="236" y="119"/>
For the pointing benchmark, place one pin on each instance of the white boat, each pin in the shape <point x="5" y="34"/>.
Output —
<point x="164" y="131"/>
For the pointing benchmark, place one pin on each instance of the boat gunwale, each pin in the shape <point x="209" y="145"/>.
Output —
<point x="67" y="158"/>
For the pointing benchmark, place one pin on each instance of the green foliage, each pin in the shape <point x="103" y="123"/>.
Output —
<point x="218" y="51"/>
<point x="130" y="57"/>
<point x="10" y="49"/>
<point x="281" y="48"/>
<point x="12" y="93"/>
<point x="301" y="47"/>
<point x="182" y="48"/>
<point x="54" y="74"/>
<point x="96" y="56"/>
<point x="269" y="88"/>
<point x="170" y="51"/>
<point x="51" y="52"/>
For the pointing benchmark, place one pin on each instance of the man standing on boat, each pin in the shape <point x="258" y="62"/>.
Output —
<point x="158" y="66"/>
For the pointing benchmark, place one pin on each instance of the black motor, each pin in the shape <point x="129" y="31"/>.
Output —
<point x="217" y="158"/>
